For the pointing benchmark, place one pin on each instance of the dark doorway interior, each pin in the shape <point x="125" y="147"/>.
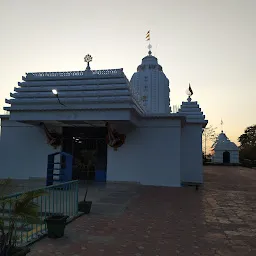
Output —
<point x="88" y="147"/>
<point x="226" y="157"/>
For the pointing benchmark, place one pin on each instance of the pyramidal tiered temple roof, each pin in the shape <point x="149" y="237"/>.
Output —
<point x="223" y="143"/>
<point x="193" y="112"/>
<point x="76" y="95"/>
<point x="78" y="90"/>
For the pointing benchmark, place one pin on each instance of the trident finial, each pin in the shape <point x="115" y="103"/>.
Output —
<point x="88" y="59"/>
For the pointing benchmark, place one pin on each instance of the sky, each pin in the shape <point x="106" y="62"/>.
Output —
<point x="209" y="44"/>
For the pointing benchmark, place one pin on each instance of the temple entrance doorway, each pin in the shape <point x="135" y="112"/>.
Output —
<point x="226" y="157"/>
<point x="88" y="147"/>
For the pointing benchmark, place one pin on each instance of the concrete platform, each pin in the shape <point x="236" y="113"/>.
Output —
<point x="218" y="219"/>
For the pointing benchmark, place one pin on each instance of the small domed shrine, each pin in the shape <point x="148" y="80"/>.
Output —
<point x="225" y="151"/>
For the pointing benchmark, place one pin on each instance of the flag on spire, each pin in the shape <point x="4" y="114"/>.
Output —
<point x="190" y="90"/>
<point x="221" y="122"/>
<point x="148" y="36"/>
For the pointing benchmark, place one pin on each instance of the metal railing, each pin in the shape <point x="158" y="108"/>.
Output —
<point x="58" y="199"/>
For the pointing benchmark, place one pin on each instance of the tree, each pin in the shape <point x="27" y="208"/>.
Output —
<point x="209" y="135"/>
<point x="248" y="143"/>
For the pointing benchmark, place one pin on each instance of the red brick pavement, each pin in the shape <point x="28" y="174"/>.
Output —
<point x="219" y="219"/>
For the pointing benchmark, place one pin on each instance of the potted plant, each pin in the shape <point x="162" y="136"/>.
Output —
<point x="89" y="160"/>
<point x="56" y="224"/>
<point x="22" y="211"/>
<point x="85" y="206"/>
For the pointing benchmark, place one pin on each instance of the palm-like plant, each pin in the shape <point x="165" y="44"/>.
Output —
<point x="21" y="209"/>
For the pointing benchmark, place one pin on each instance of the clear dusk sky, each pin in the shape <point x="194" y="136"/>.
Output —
<point x="208" y="43"/>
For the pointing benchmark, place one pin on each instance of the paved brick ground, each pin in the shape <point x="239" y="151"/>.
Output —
<point x="220" y="219"/>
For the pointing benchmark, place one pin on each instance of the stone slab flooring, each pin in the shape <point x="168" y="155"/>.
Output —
<point x="219" y="219"/>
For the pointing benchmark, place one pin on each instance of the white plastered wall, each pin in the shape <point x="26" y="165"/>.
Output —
<point x="150" y="155"/>
<point x="218" y="156"/>
<point x="23" y="150"/>
<point x="191" y="153"/>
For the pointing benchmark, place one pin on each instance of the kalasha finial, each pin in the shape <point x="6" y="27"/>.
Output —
<point x="189" y="92"/>
<point x="88" y="59"/>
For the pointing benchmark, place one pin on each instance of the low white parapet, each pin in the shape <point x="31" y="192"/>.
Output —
<point x="55" y="75"/>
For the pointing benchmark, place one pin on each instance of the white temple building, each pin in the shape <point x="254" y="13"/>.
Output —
<point x="127" y="124"/>
<point x="225" y="151"/>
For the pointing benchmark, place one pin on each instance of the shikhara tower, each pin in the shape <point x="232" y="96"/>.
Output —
<point x="151" y="85"/>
